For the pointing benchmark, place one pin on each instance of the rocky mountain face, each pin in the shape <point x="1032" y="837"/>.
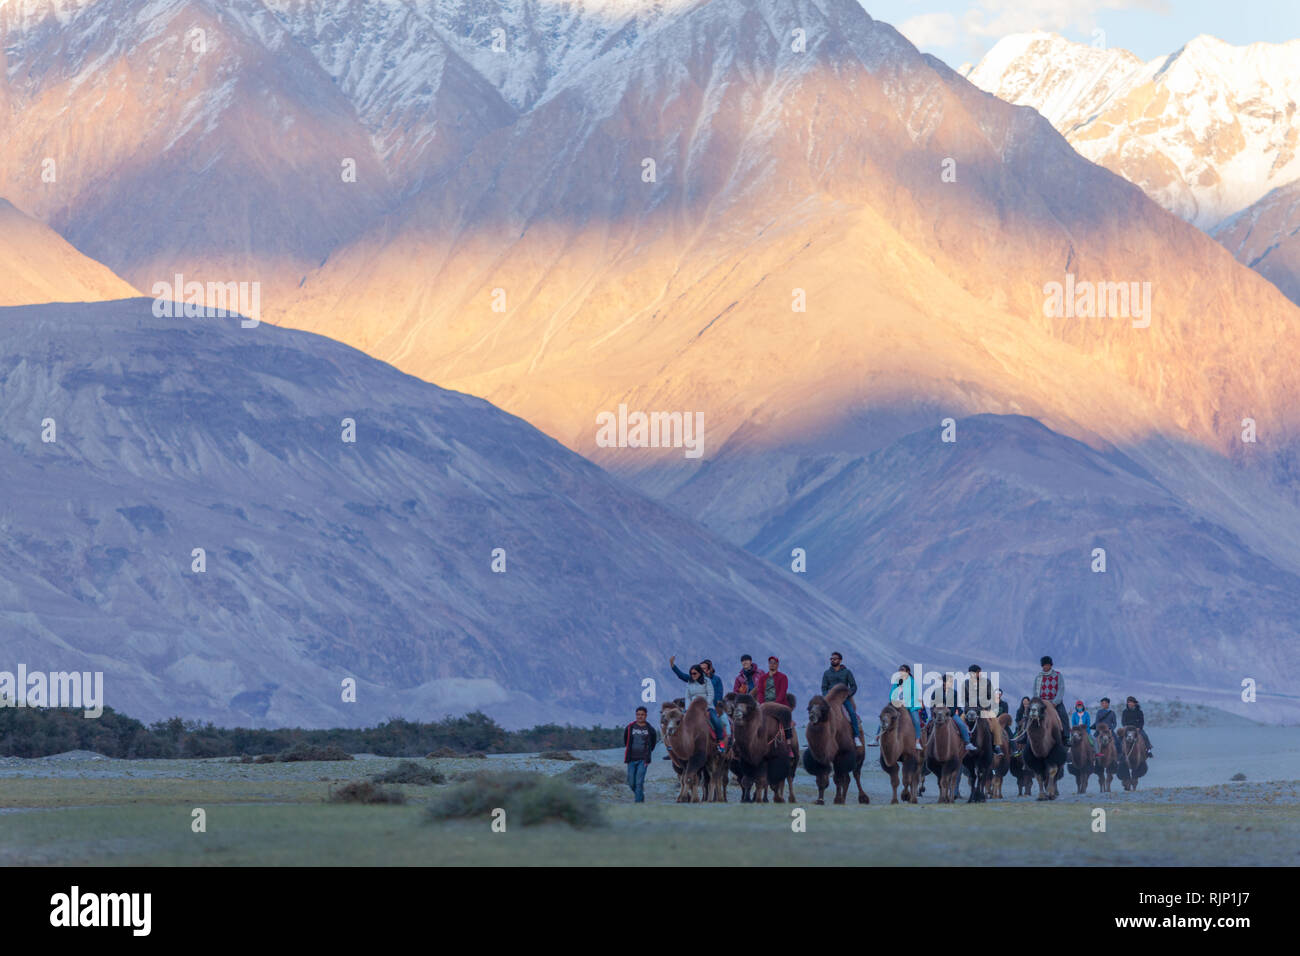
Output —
<point x="38" y="265"/>
<point x="325" y="558"/>
<point x="1266" y="237"/>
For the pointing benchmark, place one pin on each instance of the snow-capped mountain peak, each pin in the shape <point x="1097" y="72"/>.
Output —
<point x="1205" y="131"/>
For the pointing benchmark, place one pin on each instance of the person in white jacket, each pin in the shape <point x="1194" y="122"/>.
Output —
<point x="699" y="686"/>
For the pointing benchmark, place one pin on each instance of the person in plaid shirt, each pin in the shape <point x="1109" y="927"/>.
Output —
<point x="1050" y="686"/>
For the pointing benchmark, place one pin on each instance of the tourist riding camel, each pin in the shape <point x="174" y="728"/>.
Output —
<point x="1049" y="686"/>
<point x="697" y="685"/>
<point x="770" y="688"/>
<point x="744" y="682"/>
<point x="979" y="694"/>
<point x="1133" y="717"/>
<point x="837" y="673"/>
<point x="904" y="693"/>
<point x="1105" y="716"/>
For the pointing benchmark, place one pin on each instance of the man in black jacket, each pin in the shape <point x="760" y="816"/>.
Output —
<point x="639" y="739"/>
<point x="1133" y="717"/>
<point x="1105" y="716"/>
<point x="837" y="673"/>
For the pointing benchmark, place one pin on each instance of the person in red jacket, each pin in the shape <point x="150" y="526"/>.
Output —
<point x="772" y="685"/>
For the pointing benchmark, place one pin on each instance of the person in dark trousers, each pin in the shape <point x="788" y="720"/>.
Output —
<point x="979" y="695"/>
<point x="639" y="740"/>
<point x="745" y="680"/>
<point x="837" y="673"/>
<point x="1133" y="717"/>
<point x="1105" y="715"/>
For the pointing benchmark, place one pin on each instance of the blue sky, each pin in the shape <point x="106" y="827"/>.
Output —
<point x="960" y="31"/>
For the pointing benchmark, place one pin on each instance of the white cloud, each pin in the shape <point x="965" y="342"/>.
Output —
<point x="997" y="18"/>
<point x="931" y="30"/>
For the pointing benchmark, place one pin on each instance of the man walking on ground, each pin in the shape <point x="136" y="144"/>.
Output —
<point x="639" y="740"/>
<point x="837" y="673"/>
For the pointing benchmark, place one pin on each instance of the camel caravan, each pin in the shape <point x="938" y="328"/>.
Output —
<point x="748" y="737"/>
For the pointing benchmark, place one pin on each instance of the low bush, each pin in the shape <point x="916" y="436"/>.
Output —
<point x="363" y="791"/>
<point x="527" y="798"/>
<point x="408" y="771"/>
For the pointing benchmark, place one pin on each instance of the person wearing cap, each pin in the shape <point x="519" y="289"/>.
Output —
<point x="1049" y="686"/>
<point x="837" y="673"/>
<point x="770" y="687"/>
<point x="744" y="682"/>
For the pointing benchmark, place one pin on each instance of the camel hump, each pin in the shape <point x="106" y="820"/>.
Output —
<point x="836" y="695"/>
<point x="790" y="698"/>
<point x="779" y="711"/>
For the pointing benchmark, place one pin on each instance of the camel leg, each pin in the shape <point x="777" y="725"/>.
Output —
<point x="893" y="784"/>
<point x="822" y="781"/>
<point x="857" y="778"/>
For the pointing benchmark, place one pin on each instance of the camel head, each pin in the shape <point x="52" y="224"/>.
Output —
<point x="744" y="708"/>
<point x="888" y="717"/>
<point x="940" y="715"/>
<point x="818" y="711"/>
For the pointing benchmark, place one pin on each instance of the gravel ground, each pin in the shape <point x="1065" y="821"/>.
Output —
<point x="1194" y="765"/>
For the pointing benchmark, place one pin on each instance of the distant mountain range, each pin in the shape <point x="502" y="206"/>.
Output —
<point x="327" y="559"/>
<point x="775" y="214"/>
